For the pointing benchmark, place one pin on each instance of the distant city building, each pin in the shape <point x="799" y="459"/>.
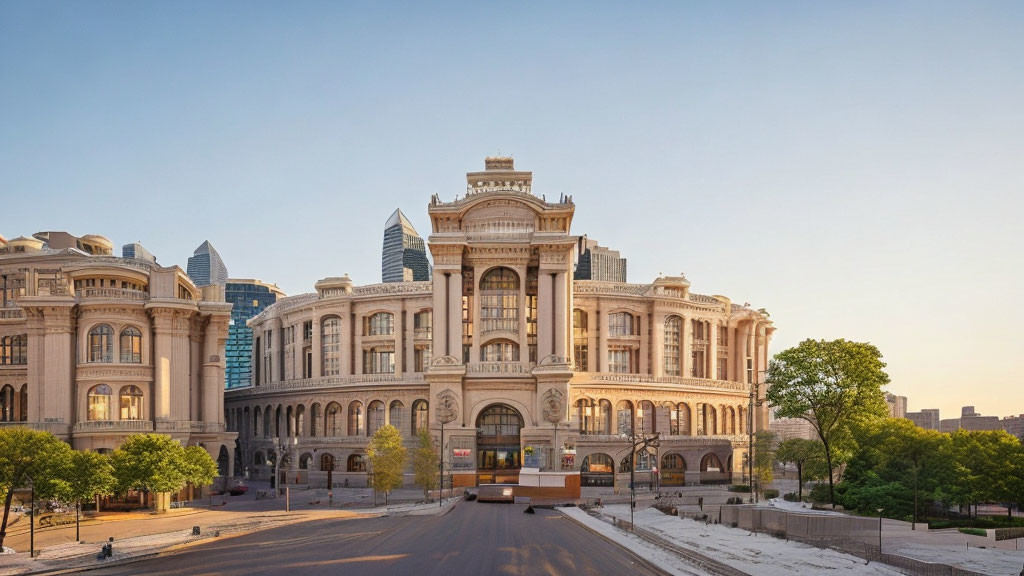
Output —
<point x="135" y="250"/>
<point x="598" y="263"/>
<point x="404" y="257"/>
<point x="971" y="420"/>
<point x="248" y="298"/>
<point x="789" y="428"/>
<point x="897" y="405"/>
<point x="205" y="266"/>
<point x="1014" y="425"/>
<point x="968" y="411"/>
<point x="949" y="425"/>
<point x="927" y="418"/>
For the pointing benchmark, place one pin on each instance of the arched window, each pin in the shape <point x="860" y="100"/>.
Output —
<point x="101" y="344"/>
<point x="500" y="351"/>
<point x="679" y="420"/>
<point x="597" y="470"/>
<point x="289" y="422"/>
<point x="420" y="416"/>
<point x="7" y="403"/>
<point x="624" y="417"/>
<point x="623" y="359"/>
<point x="643" y="461"/>
<point x="497" y="438"/>
<point x="314" y="419"/>
<point x="580" y="342"/>
<point x="277" y="422"/>
<point x="374" y="417"/>
<point x="332" y="420"/>
<point x="379" y="360"/>
<point x="131" y="403"/>
<point x="330" y="346"/>
<point x="99" y="402"/>
<point x="622" y="324"/>
<point x="499" y="300"/>
<point x="131" y="346"/>
<point x="326" y="462"/>
<point x="356" y="463"/>
<point x="24" y="403"/>
<point x="300" y="420"/>
<point x="380" y="324"/>
<point x="304" y="461"/>
<point x="711" y="463"/>
<point x="256" y="421"/>
<point x="646" y="416"/>
<point x="673" y="462"/>
<point x="355" y="419"/>
<point x="673" y="334"/>
<point x="594" y="417"/>
<point x="6" y="350"/>
<point x="267" y="415"/>
<point x="396" y="414"/>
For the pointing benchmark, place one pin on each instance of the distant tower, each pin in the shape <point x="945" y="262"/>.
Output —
<point x="405" y="256"/>
<point x="205" y="267"/>
<point x="248" y="298"/>
<point x="598" y="263"/>
<point x="135" y="250"/>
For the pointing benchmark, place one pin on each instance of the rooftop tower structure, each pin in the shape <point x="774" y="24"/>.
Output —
<point x="205" y="266"/>
<point x="404" y="257"/>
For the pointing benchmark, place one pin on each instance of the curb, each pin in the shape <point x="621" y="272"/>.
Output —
<point x="657" y="569"/>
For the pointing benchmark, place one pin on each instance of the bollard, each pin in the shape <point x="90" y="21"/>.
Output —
<point x="195" y="530"/>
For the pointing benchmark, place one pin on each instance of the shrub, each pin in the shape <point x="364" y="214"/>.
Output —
<point x="791" y="497"/>
<point x="973" y="531"/>
<point x="771" y="493"/>
<point x="819" y="494"/>
<point x="739" y="488"/>
<point x="734" y="500"/>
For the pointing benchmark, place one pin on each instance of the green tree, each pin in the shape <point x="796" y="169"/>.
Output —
<point x="199" y="467"/>
<point x="835" y="385"/>
<point x="764" y="459"/>
<point x="387" y="459"/>
<point x="88" y="475"/>
<point x="425" y="461"/>
<point x="896" y="466"/>
<point x="151" y="462"/>
<point x="30" y="456"/>
<point x="984" y="465"/>
<point x="807" y="455"/>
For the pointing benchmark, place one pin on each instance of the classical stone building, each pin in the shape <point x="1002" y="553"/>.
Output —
<point x="94" y="348"/>
<point x="520" y="364"/>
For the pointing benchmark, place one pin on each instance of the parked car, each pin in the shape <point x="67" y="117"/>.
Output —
<point x="238" y="489"/>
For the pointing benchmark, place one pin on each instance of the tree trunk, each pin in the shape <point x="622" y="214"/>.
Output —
<point x="831" y="485"/>
<point x="800" y="481"/>
<point x="914" y="527"/>
<point x="7" y="512"/>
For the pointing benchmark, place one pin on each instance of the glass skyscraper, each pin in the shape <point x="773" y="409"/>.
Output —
<point x="405" y="256"/>
<point x="248" y="298"/>
<point x="205" y="266"/>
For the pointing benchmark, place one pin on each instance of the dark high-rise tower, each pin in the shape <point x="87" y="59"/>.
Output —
<point x="205" y="266"/>
<point x="405" y="256"/>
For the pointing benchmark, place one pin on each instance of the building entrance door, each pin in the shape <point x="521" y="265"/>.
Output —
<point x="499" y="454"/>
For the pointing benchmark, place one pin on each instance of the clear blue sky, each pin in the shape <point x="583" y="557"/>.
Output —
<point x="854" y="167"/>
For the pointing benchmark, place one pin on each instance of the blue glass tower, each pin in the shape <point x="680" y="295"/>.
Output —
<point x="205" y="266"/>
<point x="248" y="298"/>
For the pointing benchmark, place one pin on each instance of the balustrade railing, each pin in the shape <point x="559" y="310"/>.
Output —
<point x="499" y="324"/>
<point x="326" y="382"/>
<point x="114" y="293"/>
<point x="11" y="313"/>
<point x="114" y="426"/>
<point x="498" y="368"/>
<point x="677" y="380"/>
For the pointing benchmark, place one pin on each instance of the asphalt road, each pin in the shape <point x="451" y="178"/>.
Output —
<point x="473" y="539"/>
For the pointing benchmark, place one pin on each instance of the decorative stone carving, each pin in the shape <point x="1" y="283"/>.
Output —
<point x="553" y="405"/>
<point x="445" y="361"/>
<point x="447" y="407"/>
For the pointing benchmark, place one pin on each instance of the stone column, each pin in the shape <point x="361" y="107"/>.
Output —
<point x="346" y="345"/>
<point x="545" y="307"/>
<point x="36" y="364"/>
<point x="730" y="361"/>
<point x="410" y="341"/>
<point x="195" y="355"/>
<point x="593" y="343"/>
<point x="455" y="315"/>
<point x="645" y="343"/>
<point x="658" y="345"/>
<point x="601" y="354"/>
<point x="438" y="320"/>
<point x="315" y="345"/>
<point x="686" y="351"/>
<point x="474" y="348"/>
<point x="162" y="329"/>
<point x="180" y="367"/>
<point x="213" y="371"/>
<point x="356" y="325"/>
<point x="56" y="394"/>
<point x="561" y="301"/>
<point x="713" y="350"/>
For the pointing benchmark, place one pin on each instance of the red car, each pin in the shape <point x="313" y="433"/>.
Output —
<point x="238" y="489"/>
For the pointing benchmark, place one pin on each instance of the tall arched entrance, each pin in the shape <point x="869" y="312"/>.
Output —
<point x="498" y="451"/>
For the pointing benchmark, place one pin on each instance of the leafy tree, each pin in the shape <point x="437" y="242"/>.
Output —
<point x="425" y="461"/>
<point x="387" y="458"/>
<point x="88" y="475"/>
<point x="30" y="456"/>
<point x="807" y="455"/>
<point x="984" y="466"/>
<point x="152" y="462"/>
<point x="835" y="385"/>
<point x="896" y="466"/>
<point x="199" y="467"/>
<point x="764" y="459"/>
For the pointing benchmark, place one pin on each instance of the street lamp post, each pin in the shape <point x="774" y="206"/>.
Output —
<point x="880" y="532"/>
<point x="32" y="519"/>
<point x="750" y="433"/>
